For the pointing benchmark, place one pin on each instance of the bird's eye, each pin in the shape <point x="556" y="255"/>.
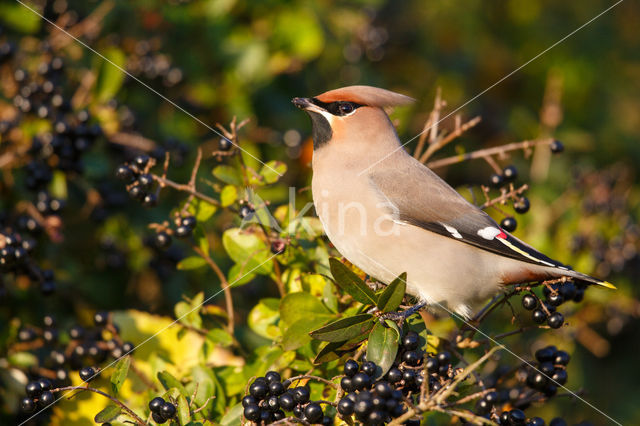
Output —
<point x="345" y="108"/>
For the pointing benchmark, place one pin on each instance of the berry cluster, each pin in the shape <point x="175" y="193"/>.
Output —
<point x="86" y="347"/>
<point x="38" y="395"/>
<point x="372" y="402"/>
<point x="138" y="179"/>
<point x="376" y="402"/>
<point x="161" y="410"/>
<point x="517" y="417"/>
<point x="270" y="397"/>
<point x="185" y="225"/>
<point x="555" y="295"/>
<point x="549" y="372"/>
<point x="15" y="257"/>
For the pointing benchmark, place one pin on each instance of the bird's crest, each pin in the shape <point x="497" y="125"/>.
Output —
<point x="365" y="95"/>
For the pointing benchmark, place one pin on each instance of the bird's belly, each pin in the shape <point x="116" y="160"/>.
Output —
<point x="433" y="273"/>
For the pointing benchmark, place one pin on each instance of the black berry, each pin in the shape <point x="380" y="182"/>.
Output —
<point x="555" y="320"/>
<point x="529" y="302"/>
<point x="509" y="224"/>
<point x="410" y="341"/>
<point x="496" y="180"/>
<point x="28" y="405"/>
<point x="539" y="316"/>
<point x="351" y="368"/>
<point x="313" y="412"/>
<point x="510" y="173"/>
<point x="522" y="205"/>
<point x="87" y="374"/>
<point x="155" y="404"/>
<point x="556" y="147"/>
<point x="224" y="144"/>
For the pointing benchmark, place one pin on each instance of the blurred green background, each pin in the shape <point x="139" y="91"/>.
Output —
<point x="224" y="58"/>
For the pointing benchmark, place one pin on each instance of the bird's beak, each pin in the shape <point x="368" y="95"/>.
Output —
<point x="307" y="104"/>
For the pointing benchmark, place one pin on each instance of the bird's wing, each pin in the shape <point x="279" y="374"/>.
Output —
<point x="417" y="196"/>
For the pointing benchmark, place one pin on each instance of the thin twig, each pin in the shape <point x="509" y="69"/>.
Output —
<point x="505" y="196"/>
<point x="450" y="137"/>
<point x="116" y="401"/>
<point x="225" y="286"/>
<point x="487" y="152"/>
<point x="320" y="379"/>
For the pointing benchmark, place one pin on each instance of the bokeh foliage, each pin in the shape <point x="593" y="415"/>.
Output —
<point x="248" y="59"/>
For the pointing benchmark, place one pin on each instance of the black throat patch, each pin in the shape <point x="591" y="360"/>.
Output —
<point x="321" y="129"/>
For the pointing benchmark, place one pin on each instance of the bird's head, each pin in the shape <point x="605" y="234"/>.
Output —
<point x="350" y="113"/>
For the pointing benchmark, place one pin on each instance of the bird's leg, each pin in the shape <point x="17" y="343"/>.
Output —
<point x="402" y="316"/>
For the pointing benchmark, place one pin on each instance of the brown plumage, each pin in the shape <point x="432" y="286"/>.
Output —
<point x="388" y="213"/>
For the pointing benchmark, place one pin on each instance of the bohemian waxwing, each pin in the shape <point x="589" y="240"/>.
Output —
<point x="387" y="213"/>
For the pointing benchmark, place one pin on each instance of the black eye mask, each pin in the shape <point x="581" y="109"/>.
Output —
<point x="338" y="108"/>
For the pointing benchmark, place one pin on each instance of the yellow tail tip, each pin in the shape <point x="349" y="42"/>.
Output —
<point x="607" y="285"/>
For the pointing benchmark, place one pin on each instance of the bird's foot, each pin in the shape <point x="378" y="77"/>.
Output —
<point x="400" y="317"/>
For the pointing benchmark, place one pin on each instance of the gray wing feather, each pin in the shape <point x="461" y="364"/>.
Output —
<point x="421" y="198"/>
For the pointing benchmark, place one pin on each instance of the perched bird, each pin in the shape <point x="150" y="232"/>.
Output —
<point x="387" y="213"/>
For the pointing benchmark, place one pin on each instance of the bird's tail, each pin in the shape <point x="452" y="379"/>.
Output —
<point x="588" y="279"/>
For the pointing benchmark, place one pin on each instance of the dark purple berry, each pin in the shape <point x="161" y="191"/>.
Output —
<point x="361" y="381"/>
<point x="529" y="302"/>
<point x="183" y="231"/>
<point x="150" y="200"/>
<point x="124" y="173"/>
<point x="46" y="399"/>
<point x="539" y="316"/>
<point x="546" y="354"/>
<point x="168" y="410"/>
<point x="258" y="390"/>
<point x="141" y="161"/>
<point x="33" y="389"/>
<point x="517" y="417"/>
<point x="246" y="400"/>
<point x="100" y="318"/>
<point x="535" y="421"/>
<point x="155" y="404"/>
<point x="410" y="341"/>
<point x="522" y="205"/>
<point x="189" y="222"/>
<point x="28" y="405"/>
<point x="87" y="374"/>
<point x="252" y="412"/>
<point x="510" y="173"/>
<point x="555" y="320"/>
<point x="301" y="394"/>
<point x="560" y="377"/>
<point x="351" y="368"/>
<point x="276" y="388"/>
<point x="509" y="224"/>
<point x="369" y="368"/>
<point x="346" y="383"/>
<point x="157" y="417"/>
<point x="286" y="401"/>
<point x="313" y="412"/>
<point x="561" y="358"/>
<point x="411" y="358"/>
<point x="45" y="384"/>
<point x="345" y="407"/>
<point x="496" y="180"/>
<point x="555" y="299"/>
<point x="556" y="147"/>
<point x="557" y="422"/>
<point x="394" y="375"/>
<point x="224" y="144"/>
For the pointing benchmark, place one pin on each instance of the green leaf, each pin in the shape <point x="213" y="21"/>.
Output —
<point x="202" y="210"/>
<point x="302" y="305"/>
<point x="19" y="18"/>
<point x="228" y="174"/>
<point x="392" y="296"/>
<point x="238" y="275"/>
<point x="220" y="337"/>
<point x="58" y="185"/>
<point x="183" y="410"/>
<point x="334" y="350"/>
<point x="300" y="313"/>
<point x="23" y="359"/>
<point x="107" y="414"/>
<point x="191" y="262"/>
<point x="249" y="250"/>
<point x="228" y="195"/>
<point x="187" y="315"/>
<point x="110" y="78"/>
<point x="345" y="328"/>
<point x="201" y="238"/>
<point x="264" y="317"/>
<point x="348" y="281"/>
<point x="382" y="347"/>
<point x="272" y="171"/>
<point x="119" y="375"/>
<point x="168" y="382"/>
<point x="233" y="416"/>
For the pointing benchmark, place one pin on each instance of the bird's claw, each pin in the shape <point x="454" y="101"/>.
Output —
<point x="400" y="317"/>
